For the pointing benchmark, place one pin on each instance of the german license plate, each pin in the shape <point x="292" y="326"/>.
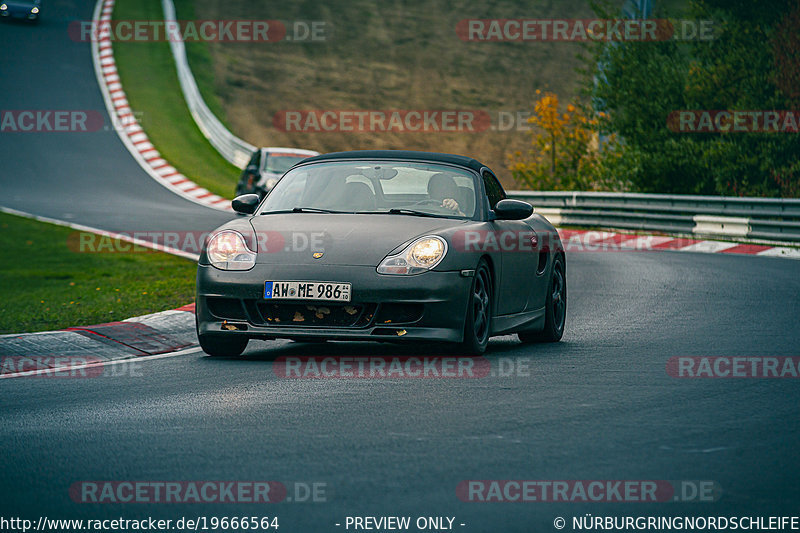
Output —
<point x="307" y="290"/>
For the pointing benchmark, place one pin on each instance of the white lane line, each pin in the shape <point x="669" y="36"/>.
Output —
<point x="127" y="360"/>
<point x="97" y="231"/>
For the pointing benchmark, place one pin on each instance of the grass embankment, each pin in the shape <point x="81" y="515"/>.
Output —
<point x="395" y="56"/>
<point x="45" y="283"/>
<point x="148" y="75"/>
<point x="391" y="56"/>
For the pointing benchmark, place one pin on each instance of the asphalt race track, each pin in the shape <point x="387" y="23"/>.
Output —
<point x="597" y="406"/>
<point x="87" y="178"/>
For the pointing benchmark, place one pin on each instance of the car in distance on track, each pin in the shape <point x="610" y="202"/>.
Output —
<point x="266" y="166"/>
<point x="21" y="9"/>
<point x="382" y="246"/>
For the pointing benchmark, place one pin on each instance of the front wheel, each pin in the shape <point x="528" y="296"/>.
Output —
<point x="555" y="308"/>
<point x="223" y="345"/>
<point x="478" y="320"/>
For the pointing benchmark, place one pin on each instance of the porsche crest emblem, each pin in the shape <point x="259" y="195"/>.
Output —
<point x="317" y="255"/>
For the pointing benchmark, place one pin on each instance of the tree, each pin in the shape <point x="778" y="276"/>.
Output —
<point x="564" y="152"/>
<point x="751" y="64"/>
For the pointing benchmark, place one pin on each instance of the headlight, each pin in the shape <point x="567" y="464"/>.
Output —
<point x="419" y="256"/>
<point x="3" y="7"/>
<point x="35" y="10"/>
<point x="227" y="251"/>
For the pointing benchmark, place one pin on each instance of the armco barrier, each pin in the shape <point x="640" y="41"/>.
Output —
<point x="755" y="219"/>
<point x="237" y="151"/>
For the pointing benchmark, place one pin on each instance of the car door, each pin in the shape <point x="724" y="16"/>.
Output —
<point x="512" y="238"/>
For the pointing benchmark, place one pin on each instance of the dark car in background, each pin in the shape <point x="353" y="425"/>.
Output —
<point x="266" y="166"/>
<point x="382" y="246"/>
<point x="21" y="9"/>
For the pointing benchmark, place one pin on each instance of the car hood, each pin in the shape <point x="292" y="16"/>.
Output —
<point x="343" y="239"/>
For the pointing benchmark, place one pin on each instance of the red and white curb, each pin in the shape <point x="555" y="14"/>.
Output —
<point x="133" y="136"/>
<point x="54" y="353"/>
<point x="608" y="241"/>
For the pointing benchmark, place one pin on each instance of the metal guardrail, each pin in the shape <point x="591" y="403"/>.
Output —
<point x="237" y="151"/>
<point x="755" y="219"/>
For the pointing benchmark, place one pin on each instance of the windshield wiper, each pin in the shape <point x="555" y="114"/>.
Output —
<point x="299" y="210"/>
<point x="414" y="212"/>
<point x="399" y="211"/>
<point x="312" y="210"/>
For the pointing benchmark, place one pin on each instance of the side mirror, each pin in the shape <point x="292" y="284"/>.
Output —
<point x="246" y="204"/>
<point x="252" y="169"/>
<point x="513" y="210"/>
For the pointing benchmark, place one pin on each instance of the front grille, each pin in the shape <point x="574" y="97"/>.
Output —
<point x="332" y="315"/>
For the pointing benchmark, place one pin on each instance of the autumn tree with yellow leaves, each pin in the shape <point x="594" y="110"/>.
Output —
<point x="565" y="153"/>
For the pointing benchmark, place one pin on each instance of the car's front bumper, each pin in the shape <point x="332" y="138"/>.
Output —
<point x="425" y="307"/>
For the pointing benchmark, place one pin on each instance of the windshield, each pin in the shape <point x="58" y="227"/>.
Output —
<point x="421" y="189"/>
<point x="280" y="163"/>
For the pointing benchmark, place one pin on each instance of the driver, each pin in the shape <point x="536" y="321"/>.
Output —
<point x="442" y="187"/>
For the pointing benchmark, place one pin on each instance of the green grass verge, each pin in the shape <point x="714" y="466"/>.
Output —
<point x="45" y="285"/>
<point x="148" y="75"/>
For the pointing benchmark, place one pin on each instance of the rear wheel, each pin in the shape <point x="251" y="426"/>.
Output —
<point x="555" y="308"/>
<point x="477" y="323"/>
<point x="223" y="345"/>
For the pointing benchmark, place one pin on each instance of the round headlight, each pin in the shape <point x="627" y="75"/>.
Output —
<point x="427" y="252"/>
<point x="35" y="10"/>
<point x="419" y="256"/>
<point x="3" y="7"/>
<point x="227" y="250"/>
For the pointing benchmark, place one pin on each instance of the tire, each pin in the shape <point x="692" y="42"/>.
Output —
<point x="223" y="345"/>
<point x="555" y="308"/>
<point x="478" y="319"/>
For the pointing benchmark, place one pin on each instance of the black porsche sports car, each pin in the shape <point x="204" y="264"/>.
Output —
<point x="382" y="246"/>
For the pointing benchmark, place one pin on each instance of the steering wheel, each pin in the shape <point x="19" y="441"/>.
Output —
<point x="428" y="201"/>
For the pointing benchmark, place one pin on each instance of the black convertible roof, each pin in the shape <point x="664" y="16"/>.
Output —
<point x="409" y="155"/>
